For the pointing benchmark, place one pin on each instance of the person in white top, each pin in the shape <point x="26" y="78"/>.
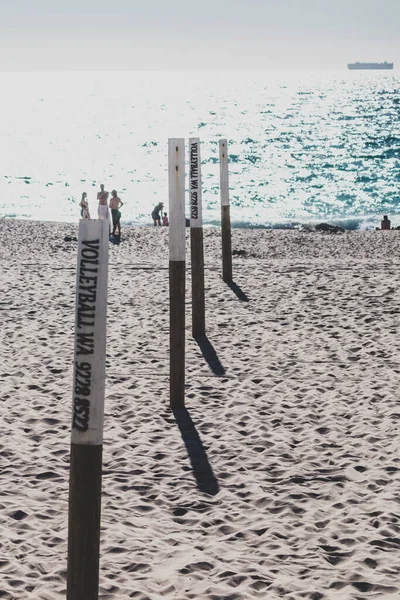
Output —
<point x="102" y="197"/>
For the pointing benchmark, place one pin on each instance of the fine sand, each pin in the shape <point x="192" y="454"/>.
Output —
<point x="281" y="481"/>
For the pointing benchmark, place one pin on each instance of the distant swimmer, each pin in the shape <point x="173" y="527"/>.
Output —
<point x="84" y="207"/>
<point x="102" y="197"/>
<point x="385" y="223"/>
<point x="115" y="205"/>
<point x="155" y="215"/>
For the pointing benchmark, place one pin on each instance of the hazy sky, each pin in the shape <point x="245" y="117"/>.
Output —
<point x="190" y="34"/>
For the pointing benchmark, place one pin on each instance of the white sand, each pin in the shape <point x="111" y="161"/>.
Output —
<point x="300" y="432"/>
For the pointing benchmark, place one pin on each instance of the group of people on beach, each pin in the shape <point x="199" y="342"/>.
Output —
<point x="114" y="205"/>
<point x="103" y="208"/>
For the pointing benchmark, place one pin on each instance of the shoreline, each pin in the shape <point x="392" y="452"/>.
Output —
<point x="364" y="223"/>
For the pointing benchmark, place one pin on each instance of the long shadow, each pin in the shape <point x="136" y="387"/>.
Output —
<point x="202" y="471"/>
<point x="208" y="351"/>
<point x="238" y="291"/>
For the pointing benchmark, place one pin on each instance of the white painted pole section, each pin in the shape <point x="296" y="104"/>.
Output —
<point x="90" y="333"/>
<point x="176" y="179"/>
<point x="224" y="176"/>
<point x="196" y="216"/>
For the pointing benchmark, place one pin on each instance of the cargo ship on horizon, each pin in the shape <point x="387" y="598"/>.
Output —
<point x="387" y="66"/>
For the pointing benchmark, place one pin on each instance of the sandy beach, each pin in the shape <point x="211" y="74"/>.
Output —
<point x="282" y="480"/>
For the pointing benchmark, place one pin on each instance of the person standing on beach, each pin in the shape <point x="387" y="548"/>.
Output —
<point x="102" y="197"/>
<point x="155" y="215"/>
<point x="385" y="223"/>
<point x="84" y="207"/>
<point x="115" y="204"/>
<point x="165" y="221"/>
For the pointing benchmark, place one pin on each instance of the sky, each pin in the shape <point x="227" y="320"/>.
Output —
<point x="190" y="34"/>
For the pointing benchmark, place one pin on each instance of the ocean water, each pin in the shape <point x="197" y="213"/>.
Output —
<point x="303" y="146"/>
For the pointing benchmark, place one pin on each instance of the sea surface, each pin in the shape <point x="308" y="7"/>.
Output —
<point x="303" y="146"/>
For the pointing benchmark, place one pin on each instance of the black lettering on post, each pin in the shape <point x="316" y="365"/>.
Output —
<point x="85" y="343"/>
<point x="194" y="208"/>
<point x="194" y="160"/>
<point x="87" y="279"/>
<point x="194" y="181"/>
<point x="84" y="268"/>
<point x="90" y="254"/>
<point x="87" y="298"/>
<point x="82" y="385"/>
<point x="91" y="243"/>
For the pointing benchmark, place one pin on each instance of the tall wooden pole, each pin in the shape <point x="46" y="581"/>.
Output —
<point x="225" y="213"/>
<point x="177" y="228"/>
<point x="196" y="240"/>
<point x="87" y="411"/>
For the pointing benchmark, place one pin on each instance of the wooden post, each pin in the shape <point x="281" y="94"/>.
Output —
<point x="196" y="240"/>
<point x="87" y="411"/>
<point x="225" y="213"/>
<point x="177" y="228"/>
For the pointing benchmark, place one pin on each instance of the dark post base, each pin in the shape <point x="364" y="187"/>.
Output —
<point x="177" y="333"/>
<point x="84" y="522"/>
<point x="198" y="301"/>
<point x="226" y="243"/>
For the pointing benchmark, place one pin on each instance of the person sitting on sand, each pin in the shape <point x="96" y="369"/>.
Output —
<point x="115" y="204"/>
<point x="385" y="223"/>
<point x="165" y="221"/>
<point x="102" y="197"/>
<point x="84" y="207"/>
<point x="155" y="215"/>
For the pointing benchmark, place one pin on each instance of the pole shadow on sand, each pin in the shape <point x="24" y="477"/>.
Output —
<point x="209" y="353"/>
<point x="238" y="291"/>
<point x="202" y="471"/>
